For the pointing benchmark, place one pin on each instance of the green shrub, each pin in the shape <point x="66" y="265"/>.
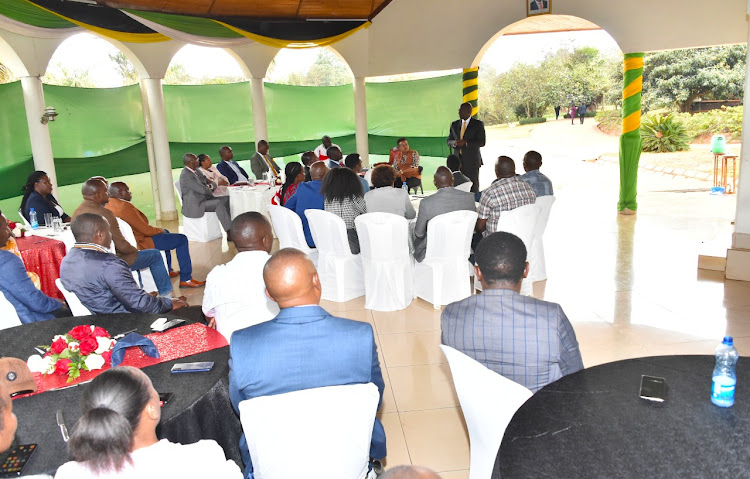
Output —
<point x="610" y="121"/>
<point x="528" y="121"/>
<point x="664" y="134"/>
<point x="727" y="121"/>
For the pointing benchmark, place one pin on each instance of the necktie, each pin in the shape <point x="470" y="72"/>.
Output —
<point x="270" y="165"/>
<point x="463" y="129"/>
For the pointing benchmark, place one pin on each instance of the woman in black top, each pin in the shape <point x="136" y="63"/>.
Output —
<point x="37" y="194"/>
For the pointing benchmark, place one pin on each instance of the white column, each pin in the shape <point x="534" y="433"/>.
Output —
<point x="41" y="146"/>
<point x="360" y="120"/>
<point x="260" y="124"/>
<point x="164" y="182"/>
<point x="150" y="151"/>
<point x="738" y="256"/>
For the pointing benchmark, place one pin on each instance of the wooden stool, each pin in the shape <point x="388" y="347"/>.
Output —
<point x="725" y="172"/>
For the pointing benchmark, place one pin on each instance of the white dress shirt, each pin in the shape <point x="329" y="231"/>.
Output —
<point x="321" y="151"/>
<point x="235" y="293"/>
<point x="164" y="459"/>
<point x="240" y="177"/>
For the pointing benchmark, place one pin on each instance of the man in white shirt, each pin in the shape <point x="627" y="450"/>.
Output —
<point x="235" y="295"/>
<point x="322" y="150"/>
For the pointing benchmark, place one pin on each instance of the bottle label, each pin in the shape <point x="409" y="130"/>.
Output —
<point x="722" y="391"/>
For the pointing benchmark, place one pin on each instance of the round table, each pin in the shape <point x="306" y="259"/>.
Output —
<point x="43" y="256"/>
<point x="594" y="424"/>
<point x="250" y="198"/>
<point x="200" y="408"/>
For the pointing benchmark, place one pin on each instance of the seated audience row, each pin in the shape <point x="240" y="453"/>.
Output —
<point x="198" y="197"/>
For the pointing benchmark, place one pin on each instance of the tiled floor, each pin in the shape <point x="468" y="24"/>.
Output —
<point x="629" y="285"/>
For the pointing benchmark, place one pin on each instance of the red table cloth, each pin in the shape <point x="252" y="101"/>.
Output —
<point x="43" y="257"/>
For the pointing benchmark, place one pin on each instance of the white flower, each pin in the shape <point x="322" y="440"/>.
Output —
<point x="39" y="364"/>
<point x="94" y="361"/>
<point x="64" y="338"/>
<point x="104" y="344"/>
<point x="73" y="346"/>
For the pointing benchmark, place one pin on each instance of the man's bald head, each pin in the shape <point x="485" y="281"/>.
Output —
<point x="409" y="472"/>
<point x="118" y="189"/>
<point x="95" y="189"/>
<point x="443" y="177"/>
<point x="86" y="226"/>
<point x="505" y="167"/>
<point x="291" y="279"/>
<point x="190" y="160"/>
<point x="318" y="170"/>
<point x="251" y="231"/>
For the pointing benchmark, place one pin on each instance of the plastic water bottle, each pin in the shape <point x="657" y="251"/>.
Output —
<point x="405" y="187"/>
<point x="725" y="375"/>
<point x="32" y="219"/>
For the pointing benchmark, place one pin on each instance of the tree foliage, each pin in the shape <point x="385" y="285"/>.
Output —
<point x="327" y="70"/>
<point x="124" y="68"/>
<point x="6" y="76"/>
<point x="679" y="77"/>
<point x="63" y="76"/>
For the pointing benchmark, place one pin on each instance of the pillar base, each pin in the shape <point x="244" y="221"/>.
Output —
<point x="168" y="215"/>
<point x="627" y="211"/>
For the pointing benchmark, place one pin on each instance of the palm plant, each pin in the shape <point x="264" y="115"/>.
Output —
<point x="664" y="134"/>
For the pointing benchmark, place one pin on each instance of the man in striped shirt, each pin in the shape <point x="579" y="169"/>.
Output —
<point x="527" y="340"/>
<point x="506" y="193"/>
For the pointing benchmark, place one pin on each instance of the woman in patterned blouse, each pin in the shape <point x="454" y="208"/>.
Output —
<point x="344" y="197"/>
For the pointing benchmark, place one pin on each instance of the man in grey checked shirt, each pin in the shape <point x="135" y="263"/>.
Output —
<point x="527" y="340"/>
<point x="542" y="185"/>
<point x="506" y="193"/>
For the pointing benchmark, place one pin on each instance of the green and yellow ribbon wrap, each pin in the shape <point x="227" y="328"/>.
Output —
<point x="630" y="139"/>
<point x="471" y="89"/>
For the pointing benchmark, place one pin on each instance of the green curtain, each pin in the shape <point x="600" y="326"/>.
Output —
<point x="199" y="26"/>
<point x="26" y="12"/>
<point x="15" y="148"/>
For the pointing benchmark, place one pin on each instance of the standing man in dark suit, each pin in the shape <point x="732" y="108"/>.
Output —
<point x="230" y="168"/>
<point x="466" y="138"/>
<point x="197" y="194"/>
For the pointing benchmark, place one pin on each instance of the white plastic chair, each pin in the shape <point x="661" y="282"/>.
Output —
<point x="465" y="186"/>
<point x="202" y="230"/>
<point x="443" y="276"/>
<point x="288" y="227"/>
<point x="326" y="429"/>
<point x="23" y="218"/>
<point x="521" y="222"/>
<point x="146" y="278"/>
<point x="387" y="264"/>
<point x="537" y="265"/>
<point x="8" y="315"/>
<point x="340" y="271"/>
<point x="488" y="402"/>
<point x="75" y="305"/>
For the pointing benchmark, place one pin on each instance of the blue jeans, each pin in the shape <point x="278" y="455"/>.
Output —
<point x="151" y="259"/>
<point x="168" y="241"/>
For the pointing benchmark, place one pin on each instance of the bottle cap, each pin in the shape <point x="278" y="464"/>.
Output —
<point x="32" y="209"/>
<point x="728" y="341"/>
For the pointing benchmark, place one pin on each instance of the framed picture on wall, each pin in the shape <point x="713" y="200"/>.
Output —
<point x="538" y="7"/>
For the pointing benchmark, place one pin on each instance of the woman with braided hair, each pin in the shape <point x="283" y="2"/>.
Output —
<point x="37" y="194"/>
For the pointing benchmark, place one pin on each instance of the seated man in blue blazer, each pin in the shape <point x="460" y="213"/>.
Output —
<point x="309" y="197"/>
<point x="230" y="168"/>
<point x="304" y="347"/>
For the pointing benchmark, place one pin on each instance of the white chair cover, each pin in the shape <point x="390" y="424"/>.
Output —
<point x="23" y="218"/>
<point x="146" y="278"/>
<point x="75" y="305"/>
<point x="368" y="177"/>
<point x="339" y="270"/>
<point x="488" y="402"/>
<point x="537" y="265"/>
<point x="288" y="226"/>
<point x="388" y="266"/>
<point x="521" y="222"/>
<point x="202" y="230"/>
<point x="320" y="432"/>
<point x="443" y="276"/>
<point x="8" y="315"/>
<point x="465" y="186"/>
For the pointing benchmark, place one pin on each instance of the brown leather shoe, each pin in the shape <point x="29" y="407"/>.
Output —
<point x="192" y="284"/>
<point x="174" y="274"/>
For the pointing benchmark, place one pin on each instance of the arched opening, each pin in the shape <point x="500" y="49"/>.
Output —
<point x="322" y="66"/>
<point x="85" y="60"/>
<point x="197" y="65"/>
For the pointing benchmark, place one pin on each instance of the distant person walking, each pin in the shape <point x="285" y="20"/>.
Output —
<point x="573" y="113"/>
<point x="582" y="111"/>
<point x="557" y="112"/>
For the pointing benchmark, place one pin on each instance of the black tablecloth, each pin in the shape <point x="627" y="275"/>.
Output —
<point x="594" y="424"/>
<point x="200" y="409"/>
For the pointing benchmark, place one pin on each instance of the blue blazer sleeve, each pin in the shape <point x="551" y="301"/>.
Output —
<point x="291" y="203"/>
<point x="20" y="290"/>
<point x="225" y="170"/>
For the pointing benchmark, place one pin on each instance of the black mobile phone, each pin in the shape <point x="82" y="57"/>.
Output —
<point x="193" y="367"/>
<point x="13" y="465"/>
<point x="653" y="388"/>
<point x="164" y="398"/>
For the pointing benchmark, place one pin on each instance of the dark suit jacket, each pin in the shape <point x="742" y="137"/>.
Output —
<point x="475" y="138"/>
<point x="194" y="192"/>
<point x="123" y="248"/>
<point x="444" y="200"/>
<point x="227" y="171"/>
<point x="307" y="197"/>
<point x="459" y="178"/>
<point x="303" y="348"/>
<point x="259" y="165"/>
<point x="42" y="206"/>
<point x="533" y="7"/>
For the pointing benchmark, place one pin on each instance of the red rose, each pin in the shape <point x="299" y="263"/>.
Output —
<point x="88" y="345"/>
<point x="80" y="332"/>
<point x="58" y="346"/>
<point x="99" y="332"/>
<point x="12" y="225"/>
<point x="62" y="366"/>
<point x="107" y="356"/>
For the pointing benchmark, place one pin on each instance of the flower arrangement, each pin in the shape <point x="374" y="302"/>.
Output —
<point x="18" y="230"/>
<point x="85" y="347"/>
